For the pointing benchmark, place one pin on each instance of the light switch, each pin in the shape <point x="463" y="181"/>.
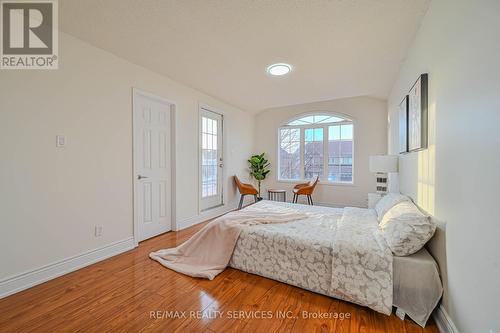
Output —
<point x="60" y="141"/>
<point x="98" y="231"/>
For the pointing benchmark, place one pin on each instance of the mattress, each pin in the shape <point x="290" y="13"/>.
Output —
<point x="300" y="253"/>
<point x="417" y="285"/>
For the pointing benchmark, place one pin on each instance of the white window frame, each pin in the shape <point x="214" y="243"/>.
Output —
<point x="347" y="121"/>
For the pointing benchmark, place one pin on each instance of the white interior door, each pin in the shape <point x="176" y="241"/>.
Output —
<point x="211" y="163"/>
<point x="152" y="165"/>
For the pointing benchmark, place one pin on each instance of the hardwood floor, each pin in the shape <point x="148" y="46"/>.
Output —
<point x="132" y="293"/>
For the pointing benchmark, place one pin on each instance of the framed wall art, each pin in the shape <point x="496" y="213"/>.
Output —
<point x="417" y="114"/>
<point x="403" y="126"/>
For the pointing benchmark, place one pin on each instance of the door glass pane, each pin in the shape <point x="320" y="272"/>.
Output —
<point x="289" y="153"/>
<point x="209" y="157"/>
<point x="313" y="153"/>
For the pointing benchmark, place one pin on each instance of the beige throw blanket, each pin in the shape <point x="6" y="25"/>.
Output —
<point x="207" y="253"/>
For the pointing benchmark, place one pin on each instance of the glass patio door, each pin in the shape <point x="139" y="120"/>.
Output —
<point x="211" y="163"/>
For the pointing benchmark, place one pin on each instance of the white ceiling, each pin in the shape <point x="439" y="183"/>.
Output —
<point x="338" y="48"/>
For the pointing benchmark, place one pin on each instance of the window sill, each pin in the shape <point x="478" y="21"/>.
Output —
<point x="299" y="181"/>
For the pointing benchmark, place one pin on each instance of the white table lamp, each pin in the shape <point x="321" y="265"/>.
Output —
<point x="381" y="165"/>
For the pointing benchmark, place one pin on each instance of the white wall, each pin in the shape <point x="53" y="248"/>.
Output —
<point x="50" y="198"/>
<point x="457" y="179"/>
<point x="370" y="138"/>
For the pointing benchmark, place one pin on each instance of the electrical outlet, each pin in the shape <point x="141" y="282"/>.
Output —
<point x="98" y="230"/>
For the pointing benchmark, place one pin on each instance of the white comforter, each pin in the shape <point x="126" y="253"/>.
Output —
<point x="362" y="261"/>
<point x="336" y="252"/>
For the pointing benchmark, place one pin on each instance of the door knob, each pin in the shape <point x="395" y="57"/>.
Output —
<point x="141" y="177"/>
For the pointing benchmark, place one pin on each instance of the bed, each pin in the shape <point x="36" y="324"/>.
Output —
<point x="302" y="253"/>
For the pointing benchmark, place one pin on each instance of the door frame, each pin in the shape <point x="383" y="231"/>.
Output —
<point x="203" y="106"/>
<point x="173" y="108"/>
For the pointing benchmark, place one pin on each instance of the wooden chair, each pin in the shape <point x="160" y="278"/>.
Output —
<point x="305" y="189"/>
<point x="245" y="189"/>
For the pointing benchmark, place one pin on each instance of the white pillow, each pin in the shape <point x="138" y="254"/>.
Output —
<point x="387" y="202"/>
<point x="406" y="229"/>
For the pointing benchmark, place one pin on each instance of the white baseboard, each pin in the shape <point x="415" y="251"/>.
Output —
<point x="19" y="282"/>
<point x="443" y="321"/>
<point x="204" y="216"/>
<point x="327" y="204"/>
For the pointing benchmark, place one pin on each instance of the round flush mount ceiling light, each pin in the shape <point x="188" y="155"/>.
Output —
<point x="279" y="69"/>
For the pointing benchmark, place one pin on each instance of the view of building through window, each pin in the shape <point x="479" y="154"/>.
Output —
<point x="209" y="157"/>
<point x="313" y="153"/>
<point x="290" y="153"/>
<point x="317" y="145"/>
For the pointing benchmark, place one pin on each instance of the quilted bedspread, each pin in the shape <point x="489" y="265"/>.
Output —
<point x="335" y="252"/>
<point x="362" y="261"/>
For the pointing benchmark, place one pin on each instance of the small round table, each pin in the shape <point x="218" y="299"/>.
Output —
<point x="273" y="194"/>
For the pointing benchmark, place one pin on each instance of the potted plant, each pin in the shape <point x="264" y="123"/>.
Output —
<point x="259" y="168"/>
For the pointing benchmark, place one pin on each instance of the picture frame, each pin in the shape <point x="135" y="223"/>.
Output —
<point x="417" y="114"/>
<point x="403" y="125"/>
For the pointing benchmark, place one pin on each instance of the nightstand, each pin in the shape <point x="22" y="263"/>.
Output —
<point x="373" y="198"/>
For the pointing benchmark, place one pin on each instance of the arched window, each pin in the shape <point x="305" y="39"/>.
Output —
<point x="316" y="144"/>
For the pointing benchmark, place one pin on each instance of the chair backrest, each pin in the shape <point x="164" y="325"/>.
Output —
<point x="238" y="183"/>
<point x="313" y="182"/>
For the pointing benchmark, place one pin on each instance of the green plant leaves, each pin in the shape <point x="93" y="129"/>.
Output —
<point x="259" y="166"/>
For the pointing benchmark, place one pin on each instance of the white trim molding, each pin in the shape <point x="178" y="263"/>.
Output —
<point x="28" y="279"/>
<point x="333" y="205"/>
<point x="443" y="321"/>
<point x="205" y="216"/>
